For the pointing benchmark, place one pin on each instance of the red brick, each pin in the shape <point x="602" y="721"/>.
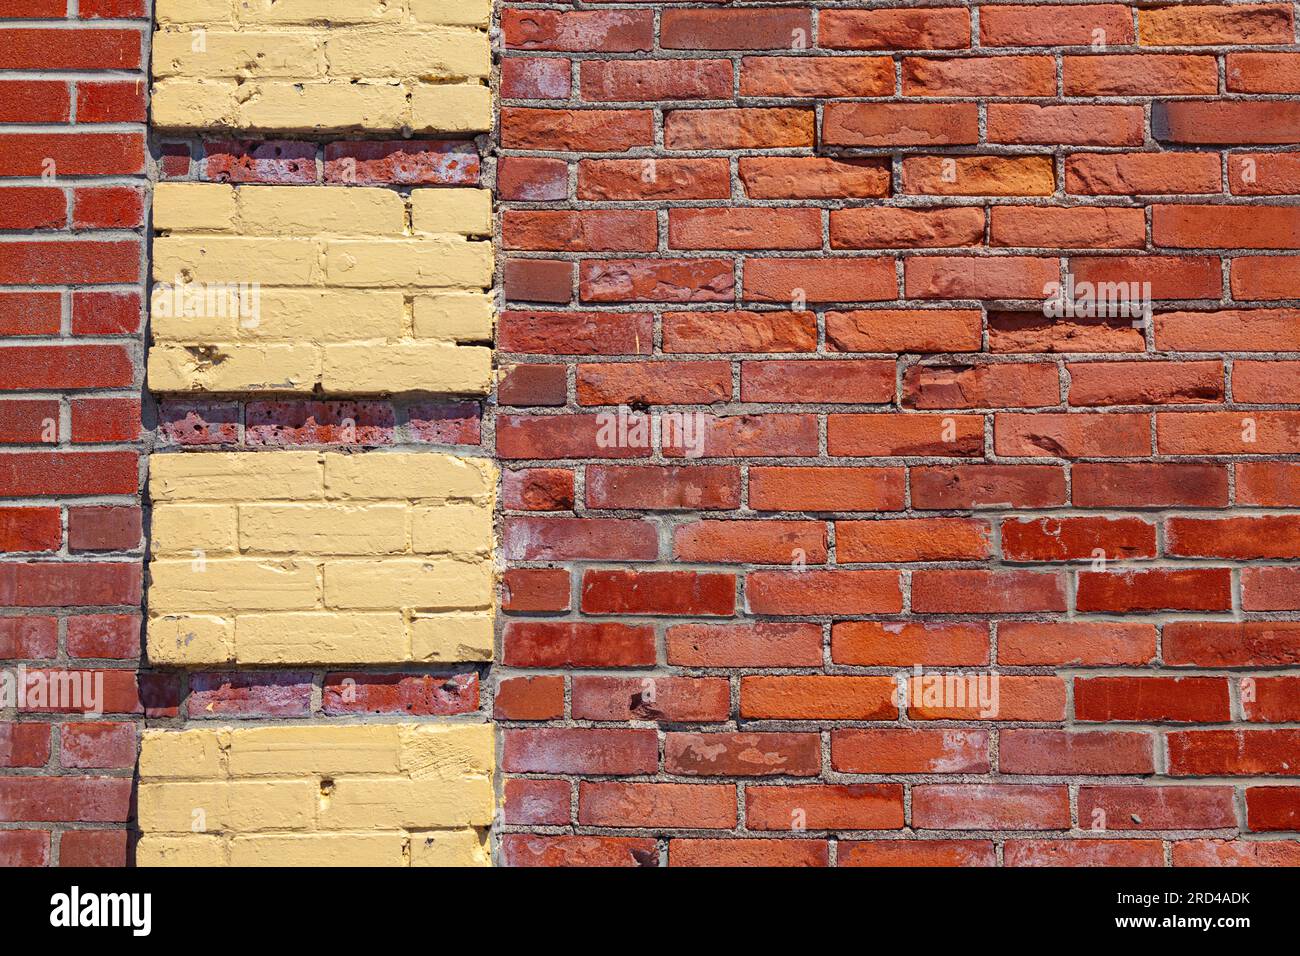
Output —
<point x="527" y="179"/>
<point x="535" y="78"/>
<point x="630" y="81"/>
<point x="646" y="179"/>
<point x="986" y="592"/>
<point x="744" y="229"/>
<point x="1156" y="808"/>
<point x="656" y="280"/>
<point x="902" y="644"/>
<point x="987" y="486"/>
<point x="1029" y="124"/>
<point x="28" y="637"/>
<point x="1236" y="122"/>
<point x="24" y="848"/>
<point x="1232" y="643"/>
<point x="819" y="697"/>
<point x="862" y="806"/>
<point x="108" y="207"/>
<point x="1145" y="383"/>
<point x="912" y="539"/>
<point x="105" y="313"/>
<point x="838" y="279"/>
<point x="111" y="102"/>
<point x="32" y="207"/>
<point x="742" y="754"/>
<point x="669" y="699"/>
<point x="1052" y="25"/>
<point x="752" y="128"/>
<point x="535" y="801"/>
<point x="108" y="636"/>
<point x="71" y="154"/>
<point x="587" y="751"/>
<point x="734" y="29"/>
<point x="30" y="529"/>
<point x="522" y="849"/>
<point x="676" y="805"/>
<point x="1155" y="589"/>
<point x="764" y="644"/>
<point x="531" y="698"/>
<point x="893" y="853"/>
<point x="69" y="584"/>
<point x="1149" y="484"/>
<point x="106" y="528"/>
<point x="535" y="589"/>
<point x="990" y="806"/>
<point x="97" y="745"/>
<point x="258" y="694"/>
<point x="748" y="332"/>
<point x="900" y="124"/>
<point x="1077" y="539"/>
<point x="658" y="592"/>
<point x="887" y="434"/>
<point x="905" y="750"/>
<point x="24" y="745"/>
<point x="407" y="162"/>
<point x="980" y="76"/>
<point x="621" y="31"/>
<point x="1012" y="385"/>
<point x="34" y="48"/>
<point x="823" y="592"/>
<point x="1236" y="853"/>
<point x="577" y="644"/>
<point x="1063" y="642"/>
<point x="1069" y="752"/>
<point x="1089" y="852"/>
<point x="1273" y="808"/>
<point x="93" y="847"/>
<point x="1152" y="699"/>
<point x="663" y="487"/>
<point x="946" y="28"/>
<point x="59" y="262"/>
<point x="653" y="383"/>
<point x="601" y="131"/>
<point x="747" y="853"/>
<point x="53" y="799"/>
<point x="552" y="539"/>
<point x="819" y="76"/>
<point x="1221" y="753"/>
<point x="578" y="333"/>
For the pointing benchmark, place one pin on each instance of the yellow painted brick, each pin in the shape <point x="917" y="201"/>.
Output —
<point x="466" y="847"/>
<point x="234" y="584"/>
<point x="183" y="754"/>
<point x="320" y="11"/>
<point x="467" y="212"/>
<point x="221" y="53"/>
<point x="313" y="210"/>
<point x="269" y="261"/>
<point x="396" y="802"/>
<point x="320" y="849"/>
<point x="454" y="316"/>
<point x="186" y="529"/>
<point x="174" y="807"/>
<point x="323" y="528"/>
<point x="452" y="637"/>
<point x="409" y="476"/>
<point x="170" y="324"/>
<point x="192" y="104"/>
<point x="321" y="638"/>
<point x="194" y="207"/>
<point x="381" y="369"/>
<point x="434" y="583"/>
<point x="447" y="751"/>
<point x="196" y="850"/>
<point x="190" y="640"/>
<point x="194" y="11"/>
<point x="337" y="315"/>
<point x="321" y="106"/>
<point x="438" y="54"/>
<point x="451" y="108"/>
<point x="403" y="263"/>
<point x="230" y="476"/>
<point x="233" y="368"/>
<point x="457" y="528"/>
<point x="315" y="749"/>
<point x="466" y="12"/>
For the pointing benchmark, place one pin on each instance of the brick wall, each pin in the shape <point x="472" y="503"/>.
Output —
<point x="822" y="239"/>
<point x="319" y="558"/>
<point x="72" y="165"/>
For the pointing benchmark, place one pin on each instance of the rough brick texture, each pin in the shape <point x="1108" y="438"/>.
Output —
<point x="324" y="286"/>
<point x="377" y="795"/>
<point x="317" y="65"/>
<point x="72" y="207"/>
<point x="339" y="559"/>
<point x="788" y="409"/>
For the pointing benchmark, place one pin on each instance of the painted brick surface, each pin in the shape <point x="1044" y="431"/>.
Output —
<point x="786" y="413"/>
<point x="72" y="213"/>
<point x="354" y="291"/>
<point x="362" y="795"/>
<point x="293" y="557"/>
<point x="313" y="65"/>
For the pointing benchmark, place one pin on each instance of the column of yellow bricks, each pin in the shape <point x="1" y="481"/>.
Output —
<point x="333" y="557"/>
